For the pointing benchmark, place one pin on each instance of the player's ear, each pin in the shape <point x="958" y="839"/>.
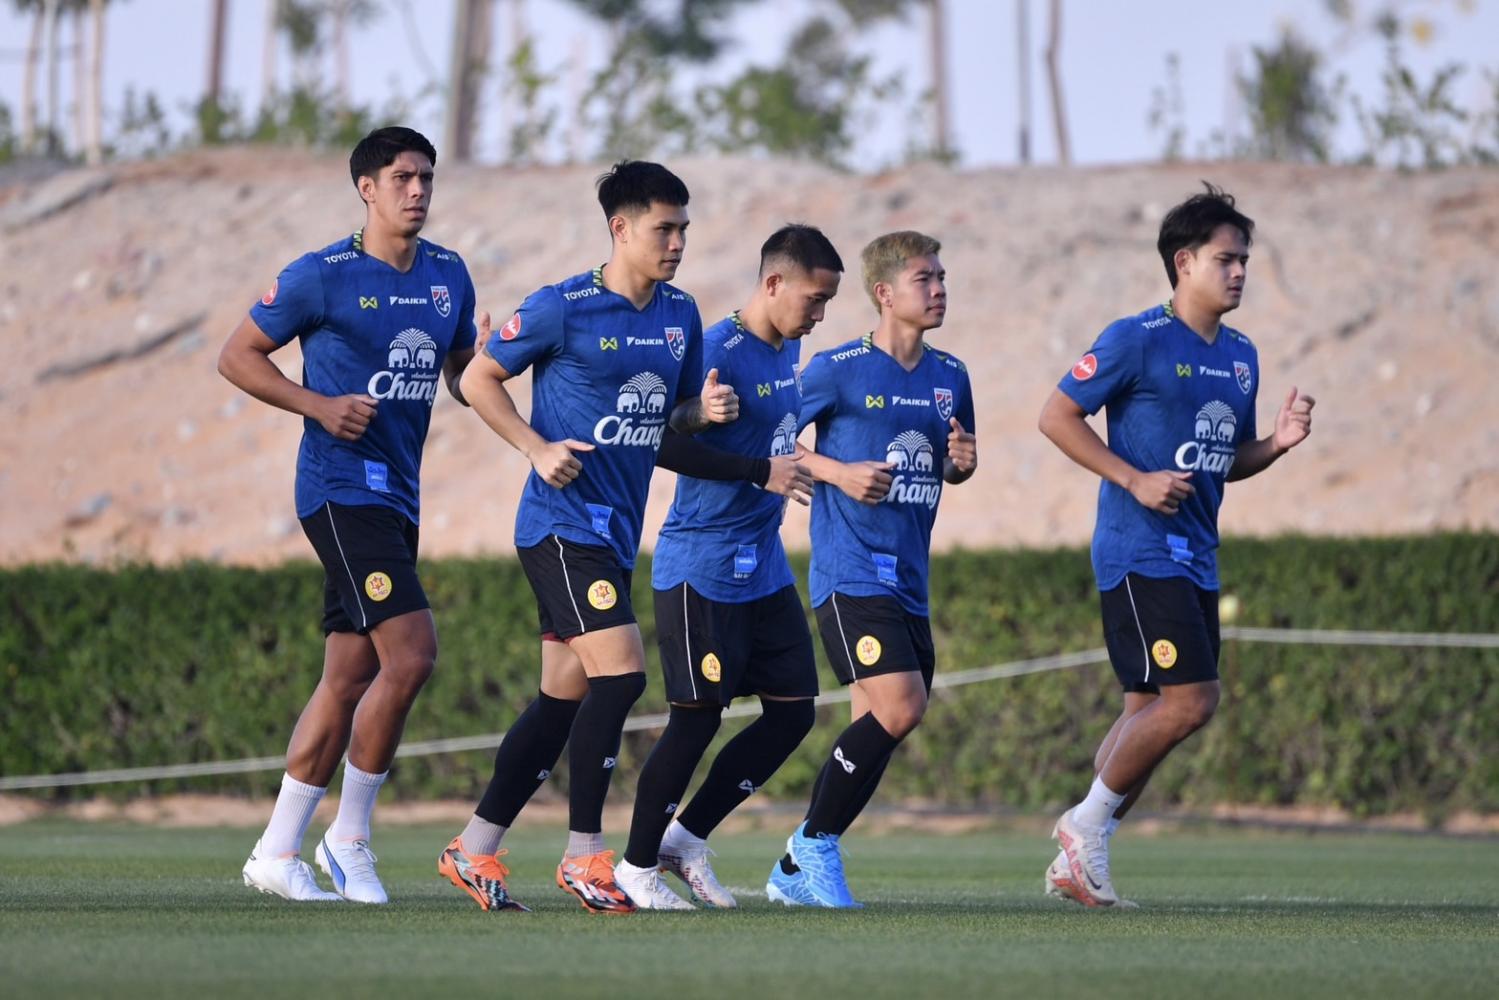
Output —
<point x="1182" y="259"/>
<point x="367" y="189"/>
<point x="619" y="228"/>
<point x="884" y="294"/>
<point x="772" y="283"/>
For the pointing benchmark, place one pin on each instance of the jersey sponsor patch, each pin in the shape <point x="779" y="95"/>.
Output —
<point x="511" y="329"/>
<point x="712" y="669"/>
<point x="1086" y="367"/>
<point x="868" y="650"/>
<point x="377" y="586"/>
<point x="1163" y="651"/>
<point x="602" y="595"/>
<point x="270" y="293"/>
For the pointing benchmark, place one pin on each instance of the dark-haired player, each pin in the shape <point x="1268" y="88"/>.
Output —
<point x="382" y="317"/>
<point x="894" y="419"/>
<point x="615" y="353"/>
<point x="1180" y="389"/>
<point x="728" y="618"/>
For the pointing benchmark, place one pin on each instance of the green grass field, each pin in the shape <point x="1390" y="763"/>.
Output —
<point x="119" y="911"/>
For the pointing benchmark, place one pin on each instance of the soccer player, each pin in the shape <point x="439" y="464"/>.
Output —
<point x="382" y="317"/>
<point x="728" y="617"/>
<point x="1180" y="389"/>
<point x="617" y="352"/>
<point x="894" y="419"/>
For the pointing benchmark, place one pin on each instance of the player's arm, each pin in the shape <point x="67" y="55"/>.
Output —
<point x="456" y="363"/>
<point x="1066" y="424"/>
<point x="483" y="385"/>
<point x="782" y="474"/>
<point x="245" y="361"/>
<point x="1293" y="423"/>
<point x="866" y="482"/>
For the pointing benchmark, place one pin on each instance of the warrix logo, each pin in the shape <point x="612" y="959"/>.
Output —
<point x="848" y="765"/>
<point x="369" y="301"/>
<point x="411" y="368"/>
<point x="911" y="455"/>
<point x="748" y="787"/>
<point x="609" y="762"/>
<point x="783" y="441"/>
<point x="640" y="414"/>
<point x="1212" y="449"/>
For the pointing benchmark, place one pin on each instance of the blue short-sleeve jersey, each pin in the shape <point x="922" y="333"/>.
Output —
<point x="724" y="537"/>
<point x="609" y="374"/>
<point x="1173" y="401"/>
<point x="867" y="407"/>
<point x="368" y="329"/>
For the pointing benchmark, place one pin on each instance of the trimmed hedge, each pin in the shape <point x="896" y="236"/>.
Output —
<point x="146" y="665"/>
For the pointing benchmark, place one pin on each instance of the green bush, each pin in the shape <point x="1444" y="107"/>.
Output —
<point x="145" y="665"/>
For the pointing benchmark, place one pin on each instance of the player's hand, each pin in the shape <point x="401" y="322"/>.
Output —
<point x="866" y="482"/>
<point x="719" y="402"/>
<point x="1294" y="421"/>
<point x="482" y="329"/>
<point x="790" y="478"/>
<point x="962" y="448"/>
<point x="347" y="417"/>
<point x="1162" y="492"/>
<point x="555" y="462"/>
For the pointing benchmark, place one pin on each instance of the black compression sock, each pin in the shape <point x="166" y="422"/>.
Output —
<point x="746" y="762"/>
<point x="664" y="778"/>
<point x="527" y="755"/>
<point x="594" y="747"/>
<point x="858" y="755"/>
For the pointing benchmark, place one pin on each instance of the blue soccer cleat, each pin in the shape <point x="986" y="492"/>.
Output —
<point x="790" y="889"/>
<point x="821" y="865"/>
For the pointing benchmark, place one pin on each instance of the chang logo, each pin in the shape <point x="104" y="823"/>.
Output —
<point x="411" y="368"/>
<point x="1212" y="449"/>
<point x="639" y="418"/>
<point x="783" y="441"/>
<point x="911" y="457"/>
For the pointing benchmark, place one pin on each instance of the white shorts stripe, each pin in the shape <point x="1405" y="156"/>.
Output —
<point x="687" y="643"/>
<point x="364" y="619"/>
<point x="853" y="671"/>
<point x="1144" y="646"/>
<point x="568" y="583"/>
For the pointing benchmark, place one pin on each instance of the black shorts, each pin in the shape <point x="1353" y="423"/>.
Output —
<point x="369" y="565"/>
<point x="1161" y="631"/>
<point x="716" y="651"/>
<point x="578" y="588"/>
<point x="866" y="636"/>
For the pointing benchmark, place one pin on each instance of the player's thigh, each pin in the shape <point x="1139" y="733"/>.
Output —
<point x="350" y="664"/>
<point x="562" y="673"/>
<point x="580" y="589"/>
<point x="1158" y="634"/>
<point x="868" y="636"/>
<point x="898" y="700"/>
<point x="610" y="652"/>
<point x="407" y="644"/>
<point x="369" y="561"/>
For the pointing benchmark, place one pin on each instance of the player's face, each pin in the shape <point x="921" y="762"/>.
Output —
<point x="654" y="241"/>
<point x="918" y="295"/>
<point x="799" y="300"/>
<point x="1214" y="275"/>
<point x="400" y="194"/>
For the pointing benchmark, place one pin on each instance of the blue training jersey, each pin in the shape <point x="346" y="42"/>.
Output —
<point x="867" y="407"/>
<point x="1174" y="401"/>
<point x="724" y="537"/>
<point x="369" y="329"/>
<point x="609" y="374"/>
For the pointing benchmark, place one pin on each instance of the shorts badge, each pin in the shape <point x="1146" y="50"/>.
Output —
<point x="377" y="586"/>
<point x="868" y="650"/>
<point x="712" y="670"/>
<point x="1163" y="651"/>
<point x="601" y="595"/>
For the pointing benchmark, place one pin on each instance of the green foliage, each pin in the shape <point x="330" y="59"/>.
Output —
<point x="1416" y="124"/>
<point x="144" y="665"/>
<point x="1291" y="111"/>
<point x="8" y="140"/>
<point x="527" y="82"/>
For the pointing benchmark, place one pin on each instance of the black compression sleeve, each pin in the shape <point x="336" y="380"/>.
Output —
<point x="685" y="454"/>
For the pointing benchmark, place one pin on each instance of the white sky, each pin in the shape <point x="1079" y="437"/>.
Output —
<point x="1113" y="58"/>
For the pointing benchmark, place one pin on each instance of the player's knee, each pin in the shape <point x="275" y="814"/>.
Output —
<point x="792" y="720"/>
<point x="695" y="724"/>
<point x="902" y="718"/>
<point x="412" y="669"/>
<point x="1196" y="710"/>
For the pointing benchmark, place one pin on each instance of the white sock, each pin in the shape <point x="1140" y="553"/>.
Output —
<point x="1098" y="808"/>
<point x="679" y="836"/>
<point x="481" y="837"/>
<point x="583" y="844"/>
<point x="355" y="803"/>
<point x="294" y="808"/>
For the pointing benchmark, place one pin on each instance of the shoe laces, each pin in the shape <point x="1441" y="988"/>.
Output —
<point x="1096" y="846"/>
<point x="600" y="867"/>
<point x="489" y="865"/>
<point x="300" y="876"/>
<point x="827" y="852"/>
<point x="361" y="860"/>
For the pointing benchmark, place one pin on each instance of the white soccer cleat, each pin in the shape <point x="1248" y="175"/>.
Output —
<point x="351" y="866"/>
<point x="1058" y="881"/>
<point x="288" y="877"/>
<point x="1087" y="850"/>
<point x="690" y="864"/>
<point x="646" y="888"/>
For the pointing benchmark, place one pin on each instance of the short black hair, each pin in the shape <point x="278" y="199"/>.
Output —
<point x="802" y="245"/>
<point x="380" y="148"/>
<point x="1191" y="224"/>
<point x="631" y="186"/>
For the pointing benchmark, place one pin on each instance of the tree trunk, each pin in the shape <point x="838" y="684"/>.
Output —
<point x="1054" y="80"/>
<point x="80" y="79"/>
<point x="28" y="83"/>
<point x="1023" y="65"/>
<point x="341" y="59"/>
<point x="268" y="48"/>
<point x="217" y="25"/>
<point x="93" y="143"/>
<point x="471" y="38"/>
<point x="941" y="137"/>
<point x="53" y="58"/>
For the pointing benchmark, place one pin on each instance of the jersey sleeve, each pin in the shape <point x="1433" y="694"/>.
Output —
<point x="1250" y="430"/>
<point x="293" y="305"/>
<point x="534" y="333"/>
<point x="819" y="392"/>
<point x="963" y="409"/>
<point x="1111" y="367"/>
<point x="463" y="337"/>
<point x="694" y="371"/>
